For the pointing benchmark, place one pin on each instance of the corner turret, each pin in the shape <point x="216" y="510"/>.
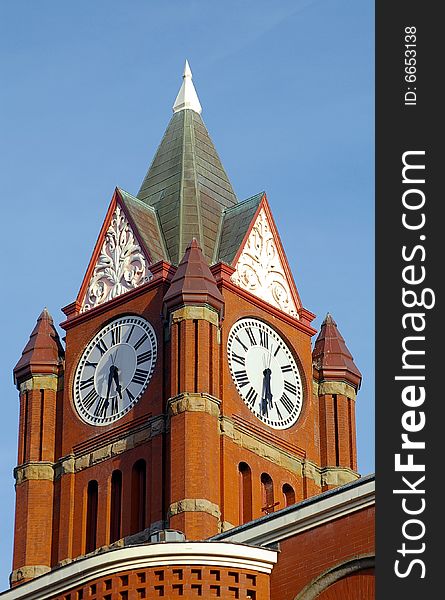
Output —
<point x="39" y="379"/>
<point x="337" y="381"/>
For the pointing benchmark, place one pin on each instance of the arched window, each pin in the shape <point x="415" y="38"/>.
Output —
<point x="138" y="496"/>
<point x="91" y="525"/>
<point x="245" y="492"/>
<point x="116" y="506"/>
<point x="289" y="494"/>
<point x="268" y="497"/>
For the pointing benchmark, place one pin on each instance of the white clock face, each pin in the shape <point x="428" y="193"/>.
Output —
<point x="114" y="370"/>
<point x="265" y="373"/>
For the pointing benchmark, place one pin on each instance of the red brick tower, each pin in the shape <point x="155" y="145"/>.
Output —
<point x="186" y="398"/>
<point x="39" y="379"/>
<point x="337" y="381"/>
<point x="194" y="304"/>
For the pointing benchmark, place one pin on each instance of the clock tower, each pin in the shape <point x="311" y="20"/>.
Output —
<point x="188" y="396"/>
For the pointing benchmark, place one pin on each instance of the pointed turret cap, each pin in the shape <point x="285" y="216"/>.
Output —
<point x="44" y="351"/>
<point x="331" y="356"/>
<point x="193" y="282"/>
<point x="187" y="96"/>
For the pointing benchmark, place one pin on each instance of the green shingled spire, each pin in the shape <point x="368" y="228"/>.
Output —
<point x="188" y="186"/>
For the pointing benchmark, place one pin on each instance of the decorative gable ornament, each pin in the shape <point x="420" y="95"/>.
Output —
<point x="121" y="266"/>
<point x="259" y="269"/>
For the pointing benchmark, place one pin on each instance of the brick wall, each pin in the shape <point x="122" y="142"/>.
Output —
<point x="305" y="556"/>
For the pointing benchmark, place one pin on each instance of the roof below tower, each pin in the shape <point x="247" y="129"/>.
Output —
<point x="187" y="185"/>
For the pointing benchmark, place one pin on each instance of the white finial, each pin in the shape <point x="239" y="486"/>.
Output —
<point x="187" y="96"/>
<point x="187" y="70"/>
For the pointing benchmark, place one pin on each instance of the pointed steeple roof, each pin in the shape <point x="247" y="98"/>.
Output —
<point x="193" y="282"/>
<point x="187" y="96"/>
<point x="186" y="182"/>
<point x="331" y="356"/>
<point x="236" y="222"/>
<point x="44" y="351"/>
<point x="146" y="223"/>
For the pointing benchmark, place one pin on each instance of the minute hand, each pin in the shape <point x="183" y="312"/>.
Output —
<point x="266" y="400"/>
<point x="114" y="408"/>
<point x="107" y="399"/>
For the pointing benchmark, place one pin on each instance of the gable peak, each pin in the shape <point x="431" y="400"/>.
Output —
<point x="119" y="263"/>
<point x="261" y="266"/>
<point x="187" y="96"/>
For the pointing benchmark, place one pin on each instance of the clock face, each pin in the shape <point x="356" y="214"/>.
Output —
<point x="265" y="373"/>
<point x="114" y="370"/>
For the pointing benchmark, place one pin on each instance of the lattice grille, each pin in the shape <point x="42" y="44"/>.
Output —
<point x="171" y="582"/>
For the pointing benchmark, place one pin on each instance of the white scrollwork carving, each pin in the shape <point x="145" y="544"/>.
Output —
<point x="121" y="265"/>
<point x="260" y="271"/>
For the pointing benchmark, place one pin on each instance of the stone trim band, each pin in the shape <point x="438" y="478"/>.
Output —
<point x="194" y="505"/>
<point x="28" y="572"/>
<point x="325" y="388"/>
<point x="202" y="313"/>
<point x="194" y="402"/>
<point x="41" y="382"/>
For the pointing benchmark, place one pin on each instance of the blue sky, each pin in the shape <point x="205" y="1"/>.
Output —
<point x="287" y="90"/>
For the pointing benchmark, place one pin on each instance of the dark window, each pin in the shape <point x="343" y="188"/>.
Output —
<point x="245" y="486"/>
<point x="267" y="496"/>
<point x="138" y="496"/>
<point x="116" y="506"/>
<point x="92" y="497"/>
<point x="289" y="494"/>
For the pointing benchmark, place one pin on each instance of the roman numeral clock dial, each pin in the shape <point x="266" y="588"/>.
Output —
<point x="114" y="370"/>
<point x="265" y="373"/>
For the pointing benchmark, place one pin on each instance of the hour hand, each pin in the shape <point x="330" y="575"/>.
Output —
<point x="116" y="381"/>
<point x="110" y="381"/>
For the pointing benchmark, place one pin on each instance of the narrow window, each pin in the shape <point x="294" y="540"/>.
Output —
<point x="116" y="506"/>
<point x="42" y="412"/>
<point x="138" y="496"/>
<point x="92" y="497"/>
<point x="267" y="489"/>
<point x="289" y="494"/>
<point x="245" y="487"/>
<point x="25" y="428"/>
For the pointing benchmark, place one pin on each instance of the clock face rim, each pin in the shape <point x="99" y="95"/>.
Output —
<point x="295" y="415"/>
<point x="77" y="399"/>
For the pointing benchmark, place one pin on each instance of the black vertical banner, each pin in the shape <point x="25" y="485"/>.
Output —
<point x="410" y="336"/>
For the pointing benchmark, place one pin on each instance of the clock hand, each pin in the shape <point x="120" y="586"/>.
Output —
<point x="270" y="356"/>
<point x="115" y="356"/>
<point x="114" y="376"/>
<point x="110" y="381"/>
<point x="266" y="400"/>
<point x="116" y="380"/>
